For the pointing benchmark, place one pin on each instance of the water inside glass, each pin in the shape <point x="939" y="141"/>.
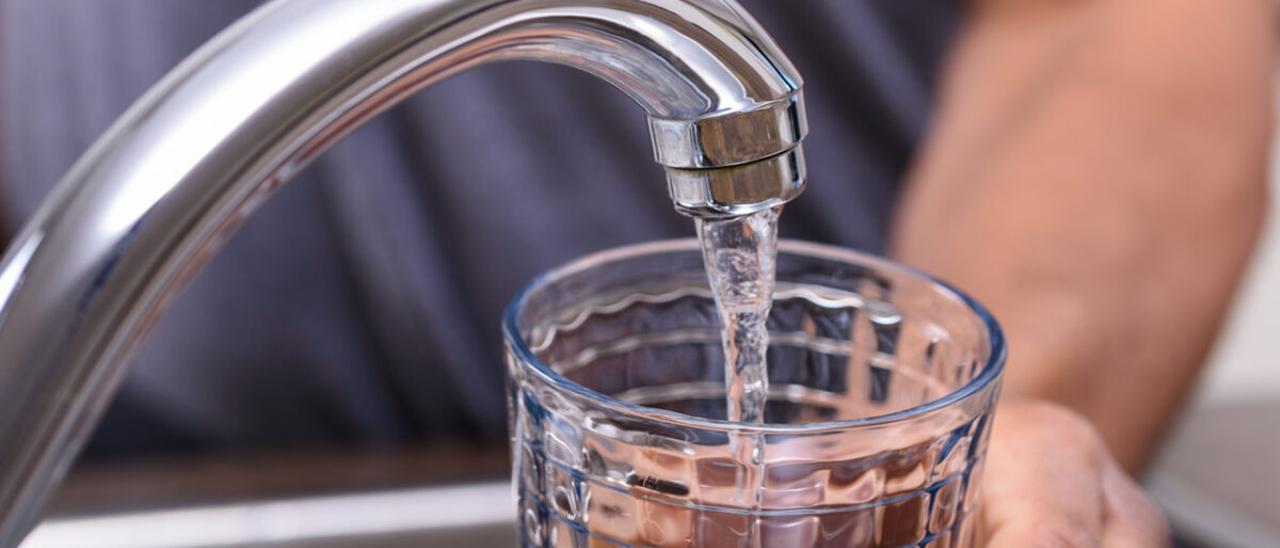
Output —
<point x="880" y="386"/>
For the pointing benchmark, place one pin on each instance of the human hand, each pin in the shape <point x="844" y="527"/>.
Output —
<point x="1051" y="482"/>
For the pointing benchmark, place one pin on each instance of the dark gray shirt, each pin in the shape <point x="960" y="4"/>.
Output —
<point x="361" y="305"/>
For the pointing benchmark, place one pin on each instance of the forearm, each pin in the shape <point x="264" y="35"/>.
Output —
<point x="1096" y="176"/>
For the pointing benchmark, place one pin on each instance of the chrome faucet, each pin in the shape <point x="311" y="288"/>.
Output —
<point x="154" y="198"/>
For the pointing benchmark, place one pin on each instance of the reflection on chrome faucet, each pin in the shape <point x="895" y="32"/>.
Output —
<point x="141" y="212"/>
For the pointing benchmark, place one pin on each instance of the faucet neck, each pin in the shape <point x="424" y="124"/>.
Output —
<point x="143" y="210"/>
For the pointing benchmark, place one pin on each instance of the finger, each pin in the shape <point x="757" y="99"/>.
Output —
<point x="1130" y="518"/>
<point x="1042" y="484"/>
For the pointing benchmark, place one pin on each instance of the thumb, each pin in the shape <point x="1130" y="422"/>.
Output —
<point x="1043" y="479"/>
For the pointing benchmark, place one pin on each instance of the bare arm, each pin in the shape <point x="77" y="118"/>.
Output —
<point x="1096" y="176"/>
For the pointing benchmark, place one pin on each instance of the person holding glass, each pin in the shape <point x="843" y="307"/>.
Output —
<point x="1092" y="170"/>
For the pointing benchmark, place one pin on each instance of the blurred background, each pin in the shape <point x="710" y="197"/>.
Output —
<point x="1217" y="475"/>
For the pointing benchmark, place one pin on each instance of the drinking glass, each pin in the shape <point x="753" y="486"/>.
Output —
<point x="882" y="382"/>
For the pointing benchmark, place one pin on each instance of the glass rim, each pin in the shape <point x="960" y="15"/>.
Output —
<point x="991" y="370"/>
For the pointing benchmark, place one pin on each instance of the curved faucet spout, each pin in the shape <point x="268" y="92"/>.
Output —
<point x="140" y="213"/>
